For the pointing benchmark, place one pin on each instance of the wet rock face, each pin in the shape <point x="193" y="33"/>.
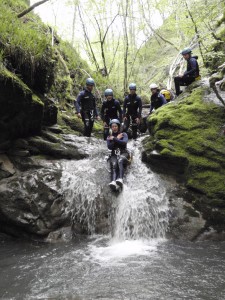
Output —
<point x="186" y="140"/>
<point x="31" y="202"/>
<point x="186" y="223"/>
<point x="33" y="189"/>
<point x="50" y="112"/>
<point x="21" y="112"/>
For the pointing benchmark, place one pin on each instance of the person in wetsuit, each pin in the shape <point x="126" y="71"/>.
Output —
<point x="110" y="110"/>
<point x="85" y="105"/>
<point x="132" y="108"/>
<point x="191" y="73"/>
<point x="119" y="158"/>
<point x="157" y="99"/>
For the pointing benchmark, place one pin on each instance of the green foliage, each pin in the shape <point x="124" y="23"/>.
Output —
<point x="15" y="5"/>
<point x="27" y="39"/>
<point x="191" y="128"/>
<point x="26" y="46"/>
<point x="75" y="63"/>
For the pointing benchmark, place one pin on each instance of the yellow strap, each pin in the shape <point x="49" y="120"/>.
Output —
<point x="198" y="78"/>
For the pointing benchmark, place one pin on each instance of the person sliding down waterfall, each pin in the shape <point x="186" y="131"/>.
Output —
<point x="120" y="156"/>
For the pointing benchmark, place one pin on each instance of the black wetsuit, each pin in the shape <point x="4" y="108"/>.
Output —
<point x="132" y="108"/>
<point x="110" y="110"/>
<point x="86" y="105"/>
<point x="189" y="76"/>
<point x="119" y="155"/>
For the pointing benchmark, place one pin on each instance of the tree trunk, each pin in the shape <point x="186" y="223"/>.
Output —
<point x="88" y="42"/>
<point x="125" y="83"/>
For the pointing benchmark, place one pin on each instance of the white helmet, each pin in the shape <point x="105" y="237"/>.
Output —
<point x="153" y="86"/>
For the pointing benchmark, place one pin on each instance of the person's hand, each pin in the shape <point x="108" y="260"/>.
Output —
<point x="79" y="115"/>
<point x="180" y="76"/>
<point x="124" y="119"/>
<point x="137" y="120"/>
<point x="98" y="118"/>
<point x="111" y="137"/>
<point x="119" y="136"/>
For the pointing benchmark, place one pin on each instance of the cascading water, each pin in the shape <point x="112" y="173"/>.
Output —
<point x="131" y="262"/>
<point x="139" y="211"/>
<point x="82" y="186"/>
<point x="142" y="205"/>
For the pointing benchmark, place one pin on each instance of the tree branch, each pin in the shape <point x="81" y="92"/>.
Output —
<point x="217" y="94"/>
<point x="88" y="41"/>
<point x="26" y="11"/>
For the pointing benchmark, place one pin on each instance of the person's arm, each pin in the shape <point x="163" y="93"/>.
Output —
<point x="139" y="107"/>
<point x="163" y="99"/>
<point x="124" y="107"/>
<point x="110" y="144"/>
<point x="119" y="110"/>
<point x="122" y="141"/>
<point x="151" y="106"/>
<point x="96" y="113"/>
<point x="103" y="112"/>
<point x="78" y="103"/>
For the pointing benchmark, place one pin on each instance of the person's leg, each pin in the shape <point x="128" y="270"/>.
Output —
<point x="86" y="121"/>
<point x="180" y="81"/>
<point x="106" y="130"/>
<point x="114" y="171"/>
<point x="114" y="167"/>
<point x="126" y="124"/>
<point x="177" y="81"/>
<point x="122" y="162"/>
<point x="189" y="80"/>
<point x="134" y="128"/>
<point x="91" y="122"/>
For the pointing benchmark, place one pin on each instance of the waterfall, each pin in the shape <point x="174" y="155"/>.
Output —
<point x="139" y="211"/>
<point x="142" y="210"/>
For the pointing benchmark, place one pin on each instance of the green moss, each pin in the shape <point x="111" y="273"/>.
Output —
<point x="5" y="76"/>
<point x="37" y="100"/>
<point x="98" y="129"/>
<point x="191" y="129"/>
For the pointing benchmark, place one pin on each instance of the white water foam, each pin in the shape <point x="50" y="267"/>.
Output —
<point x="117" y="252"/>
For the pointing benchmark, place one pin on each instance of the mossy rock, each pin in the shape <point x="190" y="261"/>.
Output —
<point x="189" y="131"/>
<point x="73" y="122"/>
<point x="214" y="78"/>
<point x="98" y="129"/>
<point x="21" y="111"/>
<point x="29" y="52"/>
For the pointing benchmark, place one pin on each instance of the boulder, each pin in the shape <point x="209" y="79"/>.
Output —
<point x="50" y="112"/>
<point x="32" y="203"/>
<point x="6" y="167"/>
<point x="186" y="141"/>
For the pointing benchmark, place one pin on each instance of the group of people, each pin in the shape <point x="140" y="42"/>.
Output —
<point x="113" y="116"/>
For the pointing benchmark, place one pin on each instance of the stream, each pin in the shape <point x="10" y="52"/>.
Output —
<point x="132" y="260"/>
